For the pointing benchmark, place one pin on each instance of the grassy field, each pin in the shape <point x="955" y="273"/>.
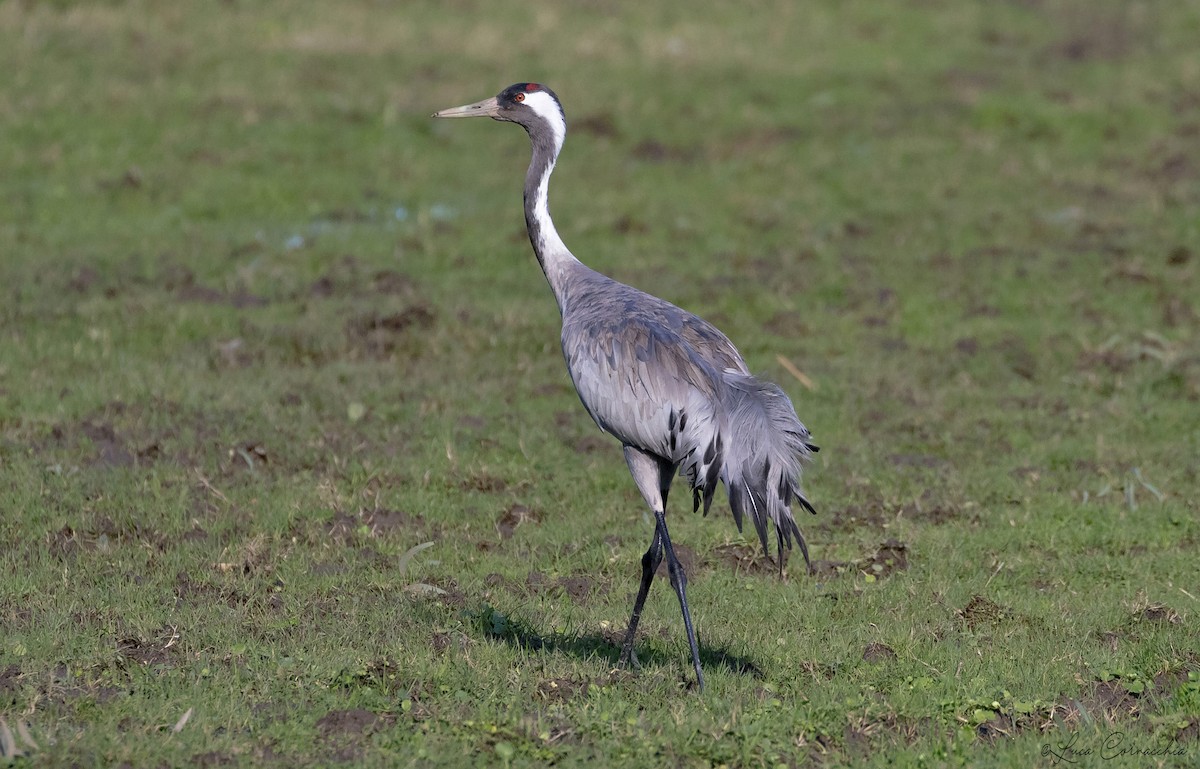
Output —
<point x="291" y="472"/>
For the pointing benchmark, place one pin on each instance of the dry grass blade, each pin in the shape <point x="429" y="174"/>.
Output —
<point x="182" y="722"/>
<point x="1137" y="474"/>
<point x="410" y="554"/>
<point x="800" y="376"/>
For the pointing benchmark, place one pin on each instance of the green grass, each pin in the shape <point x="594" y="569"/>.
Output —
<point x="266" y="329"/>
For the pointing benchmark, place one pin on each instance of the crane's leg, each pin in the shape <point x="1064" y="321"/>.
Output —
<point x="650" y="562"/>
<point x="679" y="582"/>
<point x="653" y="477"/>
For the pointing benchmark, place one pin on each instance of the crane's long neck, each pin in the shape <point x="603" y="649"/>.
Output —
<point x="552" y="254"/>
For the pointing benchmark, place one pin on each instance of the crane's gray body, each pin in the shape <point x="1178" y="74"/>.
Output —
<point x="669" y="386"/>
<point x="635" y="359"/>
<point x="668" y="383"/>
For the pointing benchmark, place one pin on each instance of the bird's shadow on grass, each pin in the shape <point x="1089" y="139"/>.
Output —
<point x="493" y="623"/>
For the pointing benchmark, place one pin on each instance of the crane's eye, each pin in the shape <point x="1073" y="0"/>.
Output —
<point x="519" y="97"/>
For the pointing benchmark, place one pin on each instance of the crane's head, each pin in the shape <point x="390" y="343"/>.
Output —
<point x="532" y="106"/>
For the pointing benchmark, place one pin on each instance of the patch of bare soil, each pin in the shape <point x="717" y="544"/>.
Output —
<point x="981" y="611"/>
<point x="379" y="523"/>
<point x="449" y="594"/>
<point x="379" y="336"/>
<point x="788" y="324"/>
<point x="687" y="559"/>
<point x="384" y="674"/>
<point x="1179" y="256"/>
<point x="1160" y="615"/>
<point x="626" y="224"/>
<point x="102" y="533"/>
<point x="108" y="447"/>
<point x="892" y="556"/>
<point x="383" y="522"/>
<point x="341" y="527"/>
<point x="10" y="684"/>
<point x="1168" y="166"/>
<point x="590" y="444"/>
<point x="182" y="282"/>
<point x="188" y="592"/>
<point x="859" y="735"/>
<point x="1018" y="356"/>
<point x="561" y="689"/>
<point x="197" y="534"/>
<point x="1092" y="33"/>
<point x="852" y="516"/>
<point x="394" y="283"/>
<point x="515" y="516"/>
<point x="743" y="559"/>
<point x="345" y="731"/>
<point x="878" y="652"/>
<point x="1001" y="725"/>
<point x="62" y="687"/>
<point x="483" y="481"/>
<point x="212" y="758"/>
<point x="159" y="651"/>
<point x="84" y="279"/>
<point x="597" y="124"/>
<point x="129" y="435"/>
<point x="247" y="456"/>
<point x="63" y="544"/>
<point x="654" y="151"/>
<point x="934" y="509"/>
<point x="580" y="588"/>
<point x="1112" y="701"/>
<point x="826" y="570"/>
<point x="111" y="451"/>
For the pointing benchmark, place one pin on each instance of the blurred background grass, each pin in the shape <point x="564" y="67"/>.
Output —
<point x="266" y="327"/>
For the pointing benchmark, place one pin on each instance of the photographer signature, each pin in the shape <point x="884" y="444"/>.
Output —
<point x="1114" y="745"/>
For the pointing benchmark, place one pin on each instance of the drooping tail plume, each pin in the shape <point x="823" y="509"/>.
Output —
<point x="757" y="450"/>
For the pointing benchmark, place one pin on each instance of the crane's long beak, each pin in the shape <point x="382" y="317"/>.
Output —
<point x="486" y="108"/>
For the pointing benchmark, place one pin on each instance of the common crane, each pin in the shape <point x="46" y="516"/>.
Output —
<point x="668" y="385"/>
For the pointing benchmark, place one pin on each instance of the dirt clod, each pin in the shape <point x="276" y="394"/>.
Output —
<point x="484" y="482"/>
<point x="379" y="335"/>
<point x="341" y="526"/>
<point x="339" y="722"/>
<point x="743" y="559"/>
<point x="580" y="588"/>
<point x="892" y="556"/>
<point x="10" y="682"/>
<point x="561" y="689"/>
<point x="515" y="516"/>
<point x="144" y="653"/>
<point x="1159" y="614"/>
<point x="212" y="758"/>
<point x="381" y="523"/>
<point x="1113" y="700"/>
<point x="111" y="450"/>
<point x="878" y="652"/>
<point x="981" y="611"/>
<point x="687" y="559"/>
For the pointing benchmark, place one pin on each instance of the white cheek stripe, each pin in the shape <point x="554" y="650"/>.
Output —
<point x="546" y="108"/>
